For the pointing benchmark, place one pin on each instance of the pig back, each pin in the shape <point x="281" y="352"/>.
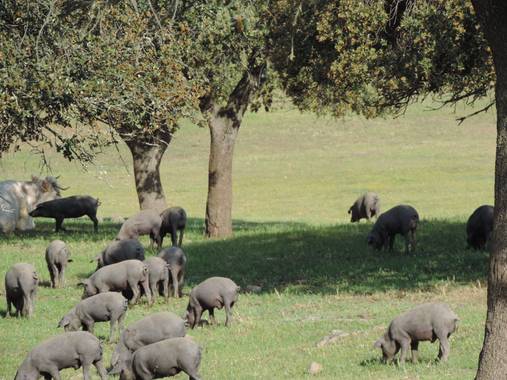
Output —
<point x="153" y="328"/>
<point x="121" y="250"/>
<point x="116" y="276"/>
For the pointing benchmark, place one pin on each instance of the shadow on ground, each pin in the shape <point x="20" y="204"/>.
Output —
<point x="300" y="258"/>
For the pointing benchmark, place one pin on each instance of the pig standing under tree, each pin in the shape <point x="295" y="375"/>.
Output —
<point x="366" y="206"/>
<point x="215" y="292"/>
<point x="174" y="219"/>
<point x="21" y="283"/>
<point x="69" y="350"/>
<point x="480" y="227"/>
<point x="400" y="219"/>
<point x="146" y="222"/>
<point x="427" y="322"/>
<point x="57" y="257"/>
<point x="69" y="207"/>
<point x="109" y="306"/>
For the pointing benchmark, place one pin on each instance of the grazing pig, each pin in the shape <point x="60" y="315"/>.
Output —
<point x="57" y="257"/>
<point x="177" y="261"/>
<point x="120" y="250"/>
<point x="148" y="330"/>
<point x="20" y="289"/>
<point x="366" y="206"/>
<point x="69" y="207"/>
<point x="215" y="292"/>
<point x="69" y="350"/>
<point x="426" y="322"/>
<point x="400" y="219"/>
<point x="109" y="306"/>
<point x="479" y="227"/>
<point x="164" y="359"/>
<point x="174" y="219"/>
<point x="146" y="222"/>
<point x="158" y="271"/>
<point x="119" y="277"/>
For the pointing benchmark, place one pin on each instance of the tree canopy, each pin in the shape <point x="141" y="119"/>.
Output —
<point x="373" y="57"/>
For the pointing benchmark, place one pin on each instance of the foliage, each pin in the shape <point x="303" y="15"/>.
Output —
<point x="377" y="56"/>
<point x="72" y="64"/>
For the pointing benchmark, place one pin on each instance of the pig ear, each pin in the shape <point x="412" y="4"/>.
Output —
<point x="96" y="258"/>
<point x="69" y="260"/>
<point x="64" y="322"/>
<point x="378" y="344"/>
<point x="81" y="283"/>
<point x="350" y="210"/>
<point x="35" y="178"/>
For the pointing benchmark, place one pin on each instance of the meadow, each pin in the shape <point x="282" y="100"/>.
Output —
<point x="295" y="176"/>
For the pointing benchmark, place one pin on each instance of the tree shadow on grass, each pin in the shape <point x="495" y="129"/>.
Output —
<point x="328" y="259"/>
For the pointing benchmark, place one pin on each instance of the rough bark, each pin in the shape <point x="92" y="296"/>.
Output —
<point x="147" y="154"/>
<point x="224" y="123"/>
<point x="493" y="358"/>
<point x="218" y="222"/>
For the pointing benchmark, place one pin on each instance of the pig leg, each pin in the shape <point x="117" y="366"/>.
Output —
<point x="86" y="370"/>
<point x="228" y="313"/>
<point x="443" y="352"/>
<point x="59" y="222"/>
<point x="88" y="326"/>
<point x="405" y="344"/>
<point x="407" y="243"/>
<point x="212" y="319"/>
<point x="181" y="237"/>
<point x="101" y="369"/>
<point x="174" y="277"/>
<point x="27" y="305"/>
<point x="54" y="372"/>
<point x="146" y="287"/>
<point x="61" y="276"/>
<point x="9" y="307"/>
<point x="135" y="290"/>
<point x="412" y="233"/>
<point x="181" y="276"/>
<point x="414" y="346"/>
<point x="52" y="269"/>
<point x="166" y="288"/>
<point x="95" y="221"/>
<point x="197" y="315"/>
<point x="154" y="289"/>
<point x="120" y="322"/>
<point x="174" y="235"/>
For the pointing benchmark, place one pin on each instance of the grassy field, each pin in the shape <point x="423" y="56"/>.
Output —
<point x="294" y="178"/>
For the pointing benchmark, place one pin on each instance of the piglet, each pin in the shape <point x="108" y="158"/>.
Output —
<point x="146" y="222"/>
<point x="426" y="322"/>
<point x="69" y="350"/>
<point x="120" y="250"/>
<point x="21" y="282"/>
<point x="215" y="292"/>
<point x="69" y="207"/>
<point x="109" y="306"/>
<point x="148" y="330"/>
<point x="164" y="359"/>
<point x="177" y="261"/>
<point x="119" y="277"/>
<point x="174" y="219"/>
<point x="57" y="257"/>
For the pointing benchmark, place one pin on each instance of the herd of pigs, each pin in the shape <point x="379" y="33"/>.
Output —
<point x="155" y="346"/>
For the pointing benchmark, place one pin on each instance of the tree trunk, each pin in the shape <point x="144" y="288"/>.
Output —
<point x="492" y="361"/>
<point x="223" y="134"/>
<point x="224" y="123"/>
<point x="147" y="157"/>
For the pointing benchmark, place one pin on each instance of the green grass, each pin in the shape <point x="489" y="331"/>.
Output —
<point x="294" y="178"/>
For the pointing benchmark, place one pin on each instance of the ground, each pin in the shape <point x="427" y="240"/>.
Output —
<point x="295" y="176"/>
